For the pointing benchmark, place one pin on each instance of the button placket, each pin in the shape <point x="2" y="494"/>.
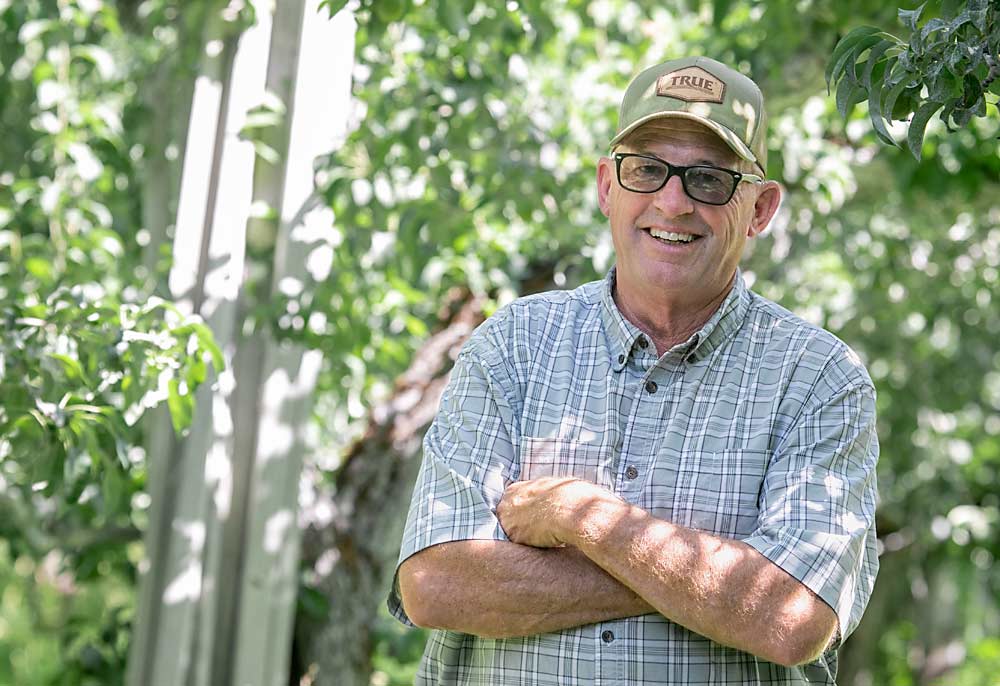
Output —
<point x="636" y="455"/>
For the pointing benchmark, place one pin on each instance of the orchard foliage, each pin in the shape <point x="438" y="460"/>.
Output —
<point x="470" y="168"/>
<point x="87" y="352"/>
<point x="949" y="67"/>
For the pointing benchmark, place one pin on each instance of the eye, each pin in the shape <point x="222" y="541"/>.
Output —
<point x="708" y="178"/>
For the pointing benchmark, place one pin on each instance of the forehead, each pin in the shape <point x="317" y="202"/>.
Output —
<point x="680" y="136"/>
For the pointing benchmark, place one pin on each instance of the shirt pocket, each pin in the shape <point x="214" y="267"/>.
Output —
<point x="719" y="492"/>
<point x="541" y="457"/>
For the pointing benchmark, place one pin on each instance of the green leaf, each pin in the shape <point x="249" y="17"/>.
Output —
<point x="874" y="105"/>
<point x="874" y="57"/>
<point x="333" y="6"/>
<point x="907" y="104"/>
<point x="944" y="87"/>
<point x="208" y="343"/>
<point x="842" y="52"/>
<point x="973" y="91"/>
<point x="954" y="56"/>
<point x="911" y="17"/>
<point x="979" y="9"/>
<point x="196" y="372"/>
<point x="888" y="108"/>
<point x="935" y="24"/>
<point x="180" y="407"/>
<point x="851" y="67"/>
<point x="266" y="152"/>
<point x="918" y="125"/>
<point x="260" y="118"/>
<point x="961" y="117"/>
<point x="72" y="368"/>
<point x="206" y="340"/>
<point x="960" y="20"/>
<point x="849" y="94"/>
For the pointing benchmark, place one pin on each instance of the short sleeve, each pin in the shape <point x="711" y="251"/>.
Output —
<point x="818" y="499"/>
<point x="468" y="459"/>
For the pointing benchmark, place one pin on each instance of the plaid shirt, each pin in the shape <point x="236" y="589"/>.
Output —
<point x="760" y="427"/>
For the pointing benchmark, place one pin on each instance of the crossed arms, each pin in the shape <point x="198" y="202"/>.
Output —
<point x="575" y="553"/>
<point x="578" y="554"/>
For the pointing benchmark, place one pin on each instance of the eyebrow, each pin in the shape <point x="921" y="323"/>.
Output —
<point x="731" y="163"/>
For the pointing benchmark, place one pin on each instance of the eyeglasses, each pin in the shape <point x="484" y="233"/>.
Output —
<point x="701" y="182"/>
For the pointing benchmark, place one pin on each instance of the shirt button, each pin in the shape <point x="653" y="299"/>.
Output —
<point x="651" y="387"/>
<point x="607" y="636"/>
<point x="631" y="472"/>
<point x="642" y="342"/>
<point x="621" y="358"/>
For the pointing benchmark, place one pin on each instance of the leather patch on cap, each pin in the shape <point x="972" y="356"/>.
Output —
<point x="691" y="84"/>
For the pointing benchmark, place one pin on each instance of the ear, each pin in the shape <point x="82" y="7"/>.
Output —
<point x="767" y="204"/>
<point x="605" y="178"/>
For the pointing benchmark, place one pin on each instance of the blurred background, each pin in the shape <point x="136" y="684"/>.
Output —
<point x="241" y="242"/>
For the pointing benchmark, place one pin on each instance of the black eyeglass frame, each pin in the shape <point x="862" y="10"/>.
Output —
<point x="681" y="171"/>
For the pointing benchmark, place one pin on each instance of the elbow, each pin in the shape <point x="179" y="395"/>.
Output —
<point x="427" y="594"/>
<point x="416" y="594"/>
<point x="804" y="645"/>
<point x="789" y="656"/>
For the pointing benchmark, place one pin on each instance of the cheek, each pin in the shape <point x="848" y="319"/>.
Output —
<point x="737" y="221"/>
<point x="621" y="211"/>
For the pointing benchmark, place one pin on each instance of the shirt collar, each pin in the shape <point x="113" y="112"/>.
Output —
<point x="622" y="334"/>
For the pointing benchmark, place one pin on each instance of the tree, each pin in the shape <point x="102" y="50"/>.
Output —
<point x="470" y="167"/>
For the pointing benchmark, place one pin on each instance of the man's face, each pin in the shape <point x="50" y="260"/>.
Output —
<point x="691" y="273"/>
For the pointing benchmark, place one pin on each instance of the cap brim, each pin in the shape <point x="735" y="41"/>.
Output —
<point x="730" y="138"/>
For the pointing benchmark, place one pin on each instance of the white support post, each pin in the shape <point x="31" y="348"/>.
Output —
<point x="181" y="527"/>
<point x="218" y="590"/>
<point x="300" y="75"/>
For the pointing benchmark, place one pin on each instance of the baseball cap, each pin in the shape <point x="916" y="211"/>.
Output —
<point x="707" y="91"/>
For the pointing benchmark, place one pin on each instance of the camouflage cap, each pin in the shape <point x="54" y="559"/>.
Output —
<point x="704" y="90"/>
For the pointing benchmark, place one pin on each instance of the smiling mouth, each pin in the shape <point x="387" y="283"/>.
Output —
<point x="672" y="238"/>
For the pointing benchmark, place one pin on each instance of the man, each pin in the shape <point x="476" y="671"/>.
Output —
<point x="660" y="478"/>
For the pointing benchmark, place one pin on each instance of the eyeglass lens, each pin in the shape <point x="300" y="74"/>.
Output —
<point x="705" y="184"/>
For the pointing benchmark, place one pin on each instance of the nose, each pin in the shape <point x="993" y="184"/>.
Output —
<point x="671" y="200"/>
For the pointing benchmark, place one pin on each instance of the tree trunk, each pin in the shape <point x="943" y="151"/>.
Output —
<point x="354" y="557"/>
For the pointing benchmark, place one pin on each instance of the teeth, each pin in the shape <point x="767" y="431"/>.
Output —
<point x="671" y="236"/>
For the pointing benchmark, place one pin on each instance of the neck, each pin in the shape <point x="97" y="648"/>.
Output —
<point x="664" y="319"/>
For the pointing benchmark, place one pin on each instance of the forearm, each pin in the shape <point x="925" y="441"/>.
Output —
<point x="717" y="587"/>
<point x="498" y="589"/>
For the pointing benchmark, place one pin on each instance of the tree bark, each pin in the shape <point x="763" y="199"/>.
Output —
<point x="372" y="493"/>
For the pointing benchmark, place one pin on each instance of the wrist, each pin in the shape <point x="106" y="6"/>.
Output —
<point x="592" y="512"/>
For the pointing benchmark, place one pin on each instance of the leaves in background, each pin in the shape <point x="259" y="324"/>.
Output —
<point x="955" y="58"/>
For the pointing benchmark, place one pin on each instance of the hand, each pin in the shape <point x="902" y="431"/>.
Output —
<point x="543" y="512"/>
